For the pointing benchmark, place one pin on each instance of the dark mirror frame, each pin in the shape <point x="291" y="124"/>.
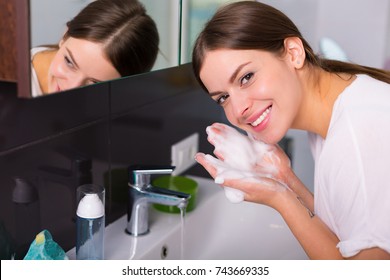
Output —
<point x="23" y="47"/>
<point x="7" y="43"/>
<point x="14" y="44"/>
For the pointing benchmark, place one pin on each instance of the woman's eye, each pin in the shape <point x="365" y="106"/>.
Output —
<point x="68" y="62"/>
<point x="246" y="78"/>
<point x="220" y="100"/>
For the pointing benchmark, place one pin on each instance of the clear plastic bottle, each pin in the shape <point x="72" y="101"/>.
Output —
<point x="90" y="223"/>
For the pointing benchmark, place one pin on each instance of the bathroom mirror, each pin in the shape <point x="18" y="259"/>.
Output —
<point x="195" y="13"/>
<point x="47" y="23"/>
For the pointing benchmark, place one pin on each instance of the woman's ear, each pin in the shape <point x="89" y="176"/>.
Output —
<point x="295" y="52"/>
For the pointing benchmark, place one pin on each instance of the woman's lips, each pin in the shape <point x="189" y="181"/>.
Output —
<point x="261" y="119"/>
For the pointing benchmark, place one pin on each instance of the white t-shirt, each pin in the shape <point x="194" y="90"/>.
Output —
<point x="352" y="172"/>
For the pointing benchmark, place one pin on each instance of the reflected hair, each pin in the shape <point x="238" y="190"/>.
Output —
<point x="129" y="35"/>
<point x="251" y="25"/>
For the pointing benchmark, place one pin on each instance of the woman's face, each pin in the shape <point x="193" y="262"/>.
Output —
<point x="259" y="91"/>
<point x="78" y="63"/>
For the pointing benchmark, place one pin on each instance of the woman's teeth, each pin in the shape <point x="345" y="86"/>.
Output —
<point x="261" y="118"/>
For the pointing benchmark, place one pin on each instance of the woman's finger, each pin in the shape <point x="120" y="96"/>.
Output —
<point x="205" y="162"/>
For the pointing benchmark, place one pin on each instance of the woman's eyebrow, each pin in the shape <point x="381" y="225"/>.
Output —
<point x="216" y="93"/>
<point x="238" y="69"/>
<point x="232" y="78"/>
<point x="72" y="57"/>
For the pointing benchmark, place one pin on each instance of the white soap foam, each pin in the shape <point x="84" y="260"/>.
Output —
<point x="243" y="158"/>
<point x="90" y="207"/>
<point x="234" y="195"/>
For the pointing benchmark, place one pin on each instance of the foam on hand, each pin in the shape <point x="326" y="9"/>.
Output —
<point x="90" y="207"/>
<point x="241" y="156"/>
<point x="234" y="195"/>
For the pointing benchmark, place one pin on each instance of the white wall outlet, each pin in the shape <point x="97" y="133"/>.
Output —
<point x="183" y="153"/>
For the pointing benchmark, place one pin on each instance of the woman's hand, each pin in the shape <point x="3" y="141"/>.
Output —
<point x="246" y="153"/>
<point x="247" y="157"/>
<point x="254" y="187"/>
<point x="282" y="162"/>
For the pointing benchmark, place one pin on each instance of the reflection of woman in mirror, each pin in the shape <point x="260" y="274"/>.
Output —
<point x="108" y="39"/>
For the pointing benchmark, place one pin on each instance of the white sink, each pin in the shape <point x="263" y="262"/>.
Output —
<point x="215" y="229"/>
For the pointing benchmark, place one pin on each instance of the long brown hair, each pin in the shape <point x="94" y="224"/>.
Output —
<point x="129" y="35"/>
<point x="250" y="25"/>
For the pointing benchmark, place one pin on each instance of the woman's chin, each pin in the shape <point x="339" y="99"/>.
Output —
<point x="268" y="139"/>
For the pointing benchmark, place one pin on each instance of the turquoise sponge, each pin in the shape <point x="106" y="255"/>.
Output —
<point x="45" y="248"/>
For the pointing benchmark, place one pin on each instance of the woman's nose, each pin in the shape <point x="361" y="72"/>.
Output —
<point x="240" y="103"/>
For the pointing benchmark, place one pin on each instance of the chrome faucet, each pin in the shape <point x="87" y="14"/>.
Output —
<point x="141" y="193"/>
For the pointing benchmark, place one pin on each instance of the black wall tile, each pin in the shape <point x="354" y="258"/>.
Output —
<point x="138" y="91"/>
<point x="26" y="121"/>
<point x="48" y="142"/>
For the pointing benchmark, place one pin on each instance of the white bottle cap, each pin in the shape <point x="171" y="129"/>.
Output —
<point x="90" y="207"/>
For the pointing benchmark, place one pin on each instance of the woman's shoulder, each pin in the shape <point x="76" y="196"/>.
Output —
<point x="41" y="58"/>
<point x="363" y="103"/>
<point x="366" y="83"/>
<point x="365" y="92"/>
<point x="37" y="50"/>
<point x="41" y="50"/>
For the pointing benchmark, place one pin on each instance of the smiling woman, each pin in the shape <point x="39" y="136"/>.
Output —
<point x="252" y="59"/>
<point x="110" y="33"/>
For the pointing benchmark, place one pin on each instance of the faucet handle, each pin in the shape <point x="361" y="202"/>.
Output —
<point x="139" y="175"/>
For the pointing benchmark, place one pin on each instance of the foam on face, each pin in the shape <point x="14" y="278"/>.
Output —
<point x="243" y="158"/>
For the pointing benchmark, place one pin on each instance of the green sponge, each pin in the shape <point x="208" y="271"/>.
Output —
<point x="45" y="248"/>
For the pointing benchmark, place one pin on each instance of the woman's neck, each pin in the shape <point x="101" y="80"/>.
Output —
<point x="320" y="94"/>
